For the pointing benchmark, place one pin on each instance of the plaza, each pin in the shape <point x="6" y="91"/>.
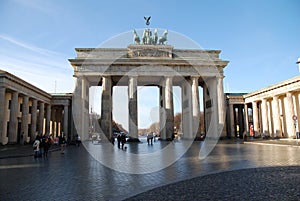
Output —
<point x="249" y="172"/>
<point x="181" y="169"/>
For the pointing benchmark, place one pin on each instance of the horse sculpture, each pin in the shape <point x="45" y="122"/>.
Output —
<point x="163" y="39"/>
<point x="154" y="37"/>
<point x="144" y="37"/>
<point x="136" y="38"/>
<point x="147" y="37"/>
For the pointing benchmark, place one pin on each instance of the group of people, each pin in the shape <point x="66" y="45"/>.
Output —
<point x="150" y="138"/>
<point x="42" y="145"/>
<point x="121" y="138"/>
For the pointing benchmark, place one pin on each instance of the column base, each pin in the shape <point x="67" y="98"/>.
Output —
<point x="131" y="139"/>
<point x="165" y="139"/>
<point x="199" y="138"/>
<point x="4" y="141"/>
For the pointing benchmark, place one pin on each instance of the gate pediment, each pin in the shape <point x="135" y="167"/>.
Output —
<point x="146" y="51"/>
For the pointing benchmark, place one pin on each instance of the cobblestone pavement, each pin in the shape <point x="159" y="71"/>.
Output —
<point x="76" y="175"/>
<point x="268" y="183"/>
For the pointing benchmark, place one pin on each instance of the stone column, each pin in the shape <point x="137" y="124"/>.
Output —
<point x="81" y="108"/>
<point x="86" y="115"/>
<point x="221" y="105"/>
<point x="297" y="107"/>
<point x="48" y="118"/>
<point x="264" y="114"/>
<point x="13" y="120"/>
<point x="255" y="118"/>
<point x="281" y="102"/>
<point x="132" y="106"/>
<point x="33" y="119"/>
<point x="24" y="124"/>
<point x="195" y="107"/>
<point x="66" y="119"/>
<point x="53" y="130"/>
<point x="241" y="120"/>
<point x="291" y="131"/>
<point x="162" y="112"/>
<point x="246" y="118"/>
<point x="276" y="117"/>
<point x="169" y="107"/>
<point x="58" y="117"/>
<point x="187" y="110"/>
<point x="3" y="112"/>
<point x="270" y="118"/>
<point x="232" y="123"/>
<point x="41" y="117"/>
<point x="106" y="107"/>
<point x="211" y="108"/>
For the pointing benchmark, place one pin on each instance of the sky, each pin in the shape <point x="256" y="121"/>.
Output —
<point x="259" y="38"/>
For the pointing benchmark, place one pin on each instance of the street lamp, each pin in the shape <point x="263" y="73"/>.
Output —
<point x="298" y="62"/>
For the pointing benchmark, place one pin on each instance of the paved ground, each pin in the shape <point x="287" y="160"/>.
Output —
<point x="232" y="171"/>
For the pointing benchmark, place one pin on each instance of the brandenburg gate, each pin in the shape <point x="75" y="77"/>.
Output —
<point x="150" y="62"/>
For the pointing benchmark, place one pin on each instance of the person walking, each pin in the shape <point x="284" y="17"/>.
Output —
<point x="123" y="140"/>
<point x="62" y="142"/>
<point x="47" y="145"/>
<point x="42" y="144"/>
<point x="78" y="140"/>
<point x="150" y="138"/>
<point x="119" y="140"/>
<point x="36" y="148"/>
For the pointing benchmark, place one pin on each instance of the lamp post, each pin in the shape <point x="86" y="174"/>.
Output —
<point x="298" y="62"/>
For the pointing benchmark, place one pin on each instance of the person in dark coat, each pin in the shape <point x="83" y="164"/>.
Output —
<point x="62" y="142"/>
<point x="119" y="140"/>
<point x="47" y="145"/>
<point x="123" y="140"/>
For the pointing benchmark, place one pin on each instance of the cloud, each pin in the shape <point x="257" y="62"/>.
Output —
<point x="38" y="66"/>
<point x="45" y="7"/>
<point x="27" y="46"/>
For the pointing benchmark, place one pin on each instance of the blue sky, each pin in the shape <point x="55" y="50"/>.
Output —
<point x="260" y="38"/>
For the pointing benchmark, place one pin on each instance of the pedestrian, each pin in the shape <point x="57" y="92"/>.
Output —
<point x="36" y="148"/>
<point x="42" y="144"/>
<point x="78" y="140"/>
<point x="123" y="140"/>
<point x="47" y="145"/>
<point x="150" y="138"/>
<point x="112" y="140"/>
<point x="119" y="140"/>
<point x="62" y="141"/>
<point x="22" y="138"/>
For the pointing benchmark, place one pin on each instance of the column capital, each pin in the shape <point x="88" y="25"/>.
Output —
<point x="195" y="76"/>
<point x="288" y="94"/>
<point x="195" y="79"/>
<point x="220" y="76"/>
<point x="132" y="76"/>
<point x="168" y="76"/>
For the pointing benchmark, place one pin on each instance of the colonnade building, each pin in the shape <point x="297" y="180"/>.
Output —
<point x="27" y="111"/>
<point x="269" y="112"/>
